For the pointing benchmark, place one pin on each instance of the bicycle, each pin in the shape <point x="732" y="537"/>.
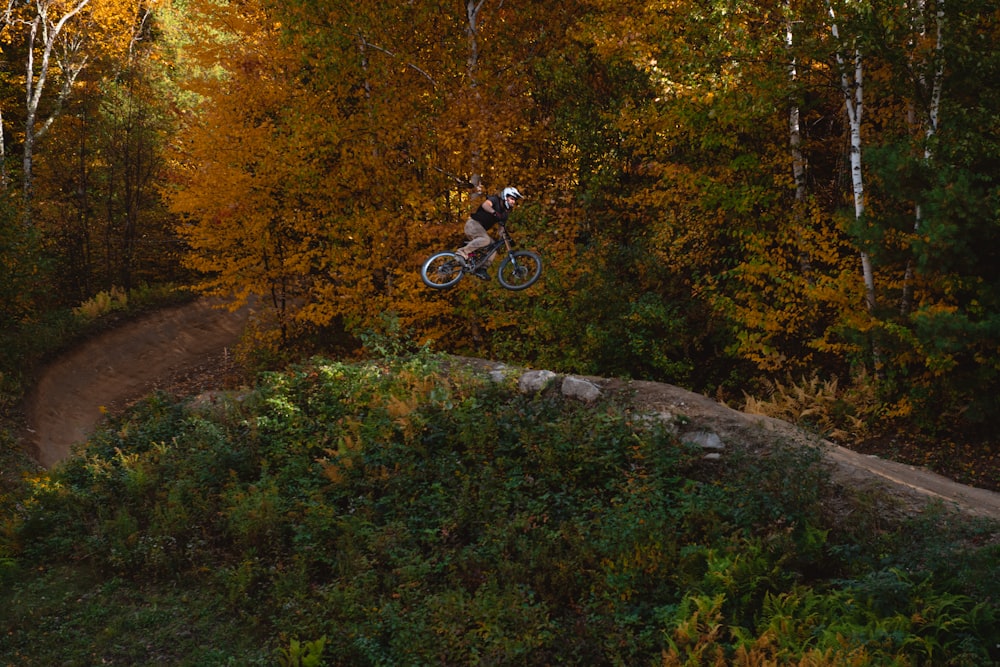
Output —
<point x="519" y="270"/>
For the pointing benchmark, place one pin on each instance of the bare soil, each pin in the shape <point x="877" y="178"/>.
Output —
<point x="910" y="488"/>
<point x="183" y="349"/>
<point x="186" y="350"/>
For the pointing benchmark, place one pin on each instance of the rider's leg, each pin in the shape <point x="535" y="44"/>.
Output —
<point x="478" y="238"/>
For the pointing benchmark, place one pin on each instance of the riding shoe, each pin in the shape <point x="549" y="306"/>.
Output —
<point x="481" y="274"/>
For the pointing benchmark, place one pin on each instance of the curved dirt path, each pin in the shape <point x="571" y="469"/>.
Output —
<point x="117" y="367"/>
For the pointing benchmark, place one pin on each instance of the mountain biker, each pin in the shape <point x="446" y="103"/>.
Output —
<point x="495" y="209"/>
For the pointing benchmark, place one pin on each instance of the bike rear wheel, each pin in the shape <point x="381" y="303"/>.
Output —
<point x="520" y="269"/>
<point x="441" y="270"/>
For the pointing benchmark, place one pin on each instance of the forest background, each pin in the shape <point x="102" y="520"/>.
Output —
<point x="744" y="199"/>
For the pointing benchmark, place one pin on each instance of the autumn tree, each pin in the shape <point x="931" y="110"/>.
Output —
<point x="937" y="204"/>
<point x="701" y="199"/>
<point x="63" y="57"/>
<point x="363" y="150"/>
<point x="96" y="196"/>
<point x="706" y="201"/>
<point x="46" y="40"/>
<point x="824" y="286"/>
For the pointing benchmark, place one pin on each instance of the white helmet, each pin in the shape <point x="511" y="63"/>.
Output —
<point x="510" y="192"/>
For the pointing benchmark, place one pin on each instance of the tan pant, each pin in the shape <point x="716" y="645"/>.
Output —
<point x="478" y="238"/>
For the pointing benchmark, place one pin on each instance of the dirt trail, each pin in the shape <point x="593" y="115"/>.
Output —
<point x="911" y="487"/>
<point x="908" y="488"/>
<point x="184" y="346"/>
<point x="115" y="368"/>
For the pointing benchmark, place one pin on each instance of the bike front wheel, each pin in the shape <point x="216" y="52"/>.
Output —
<point x="520" y="269"/>
<point x="441" y="270"/>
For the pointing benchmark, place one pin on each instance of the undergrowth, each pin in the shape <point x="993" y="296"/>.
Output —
<point x="852" y="415"/>
<point x="393" y="513"/>
<point x="29" y="344"/>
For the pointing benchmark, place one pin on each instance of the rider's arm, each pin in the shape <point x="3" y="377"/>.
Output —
<point x="490" y="208"/>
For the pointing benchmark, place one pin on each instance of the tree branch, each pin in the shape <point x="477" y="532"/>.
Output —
<point x="389" y="53"/>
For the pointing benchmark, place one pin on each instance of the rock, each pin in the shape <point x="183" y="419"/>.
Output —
<point x="533" y="382"/>
<point x="578" y="388"/>
<point x="499" y="373"/>
<point x="705" y="440"/>
<point x="662" y="417"/>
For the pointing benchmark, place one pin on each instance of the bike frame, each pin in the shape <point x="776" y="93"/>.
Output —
<point x="519" y="270"/>
<point x="481" y="255"/>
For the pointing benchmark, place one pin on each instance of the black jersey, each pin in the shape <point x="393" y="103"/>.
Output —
<point x="487" y="219"/>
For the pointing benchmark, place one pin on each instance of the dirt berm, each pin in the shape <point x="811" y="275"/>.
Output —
<point x="189" y="345"/>
<point x="113" y="369"/>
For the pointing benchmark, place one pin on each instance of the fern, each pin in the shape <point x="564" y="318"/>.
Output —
<point x="818" y="405"/>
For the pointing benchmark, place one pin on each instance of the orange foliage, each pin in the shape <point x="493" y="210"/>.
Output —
<point x="331" y="159"/>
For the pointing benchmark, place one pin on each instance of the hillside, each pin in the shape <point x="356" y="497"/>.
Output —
<point x="185" y="350"/>
<point x="425" y="509"/>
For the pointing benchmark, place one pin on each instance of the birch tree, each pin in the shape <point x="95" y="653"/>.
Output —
<point x="472" y="10"/>
<point x="60" y="37"/>
<point x="794" y="115"/>
<point x="925" y="120"/>
<point x="5" y="23"/>
<point x="47" y="41"/>
<point x="800" y="163"/>
<point x="851" y="75"/>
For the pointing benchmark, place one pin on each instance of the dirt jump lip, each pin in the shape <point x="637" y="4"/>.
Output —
<point x="74" y="392"/>
<point x="911" y="489"/>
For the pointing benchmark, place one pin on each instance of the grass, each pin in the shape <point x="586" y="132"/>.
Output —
<point x="389" y="513"/>
<point x="70" y="614"/>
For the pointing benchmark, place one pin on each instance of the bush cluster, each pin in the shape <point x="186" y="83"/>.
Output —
<point x="395" y="513"/>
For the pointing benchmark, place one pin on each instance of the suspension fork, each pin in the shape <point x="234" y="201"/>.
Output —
<point x="507" y="241"/>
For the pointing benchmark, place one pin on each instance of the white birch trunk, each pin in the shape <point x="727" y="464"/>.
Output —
<point x="930" y="127"/>
<point x="472" y="9"/>
<point x="794" y="128"/>
<point x="851" y="85"/>
<point x="35" y="84"/>
<point x="4" y="174"/>
<point x="799" y="164"/>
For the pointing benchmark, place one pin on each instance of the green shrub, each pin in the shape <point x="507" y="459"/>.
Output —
<point x="406" y="514"/>
<point x="102" y="303"/>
